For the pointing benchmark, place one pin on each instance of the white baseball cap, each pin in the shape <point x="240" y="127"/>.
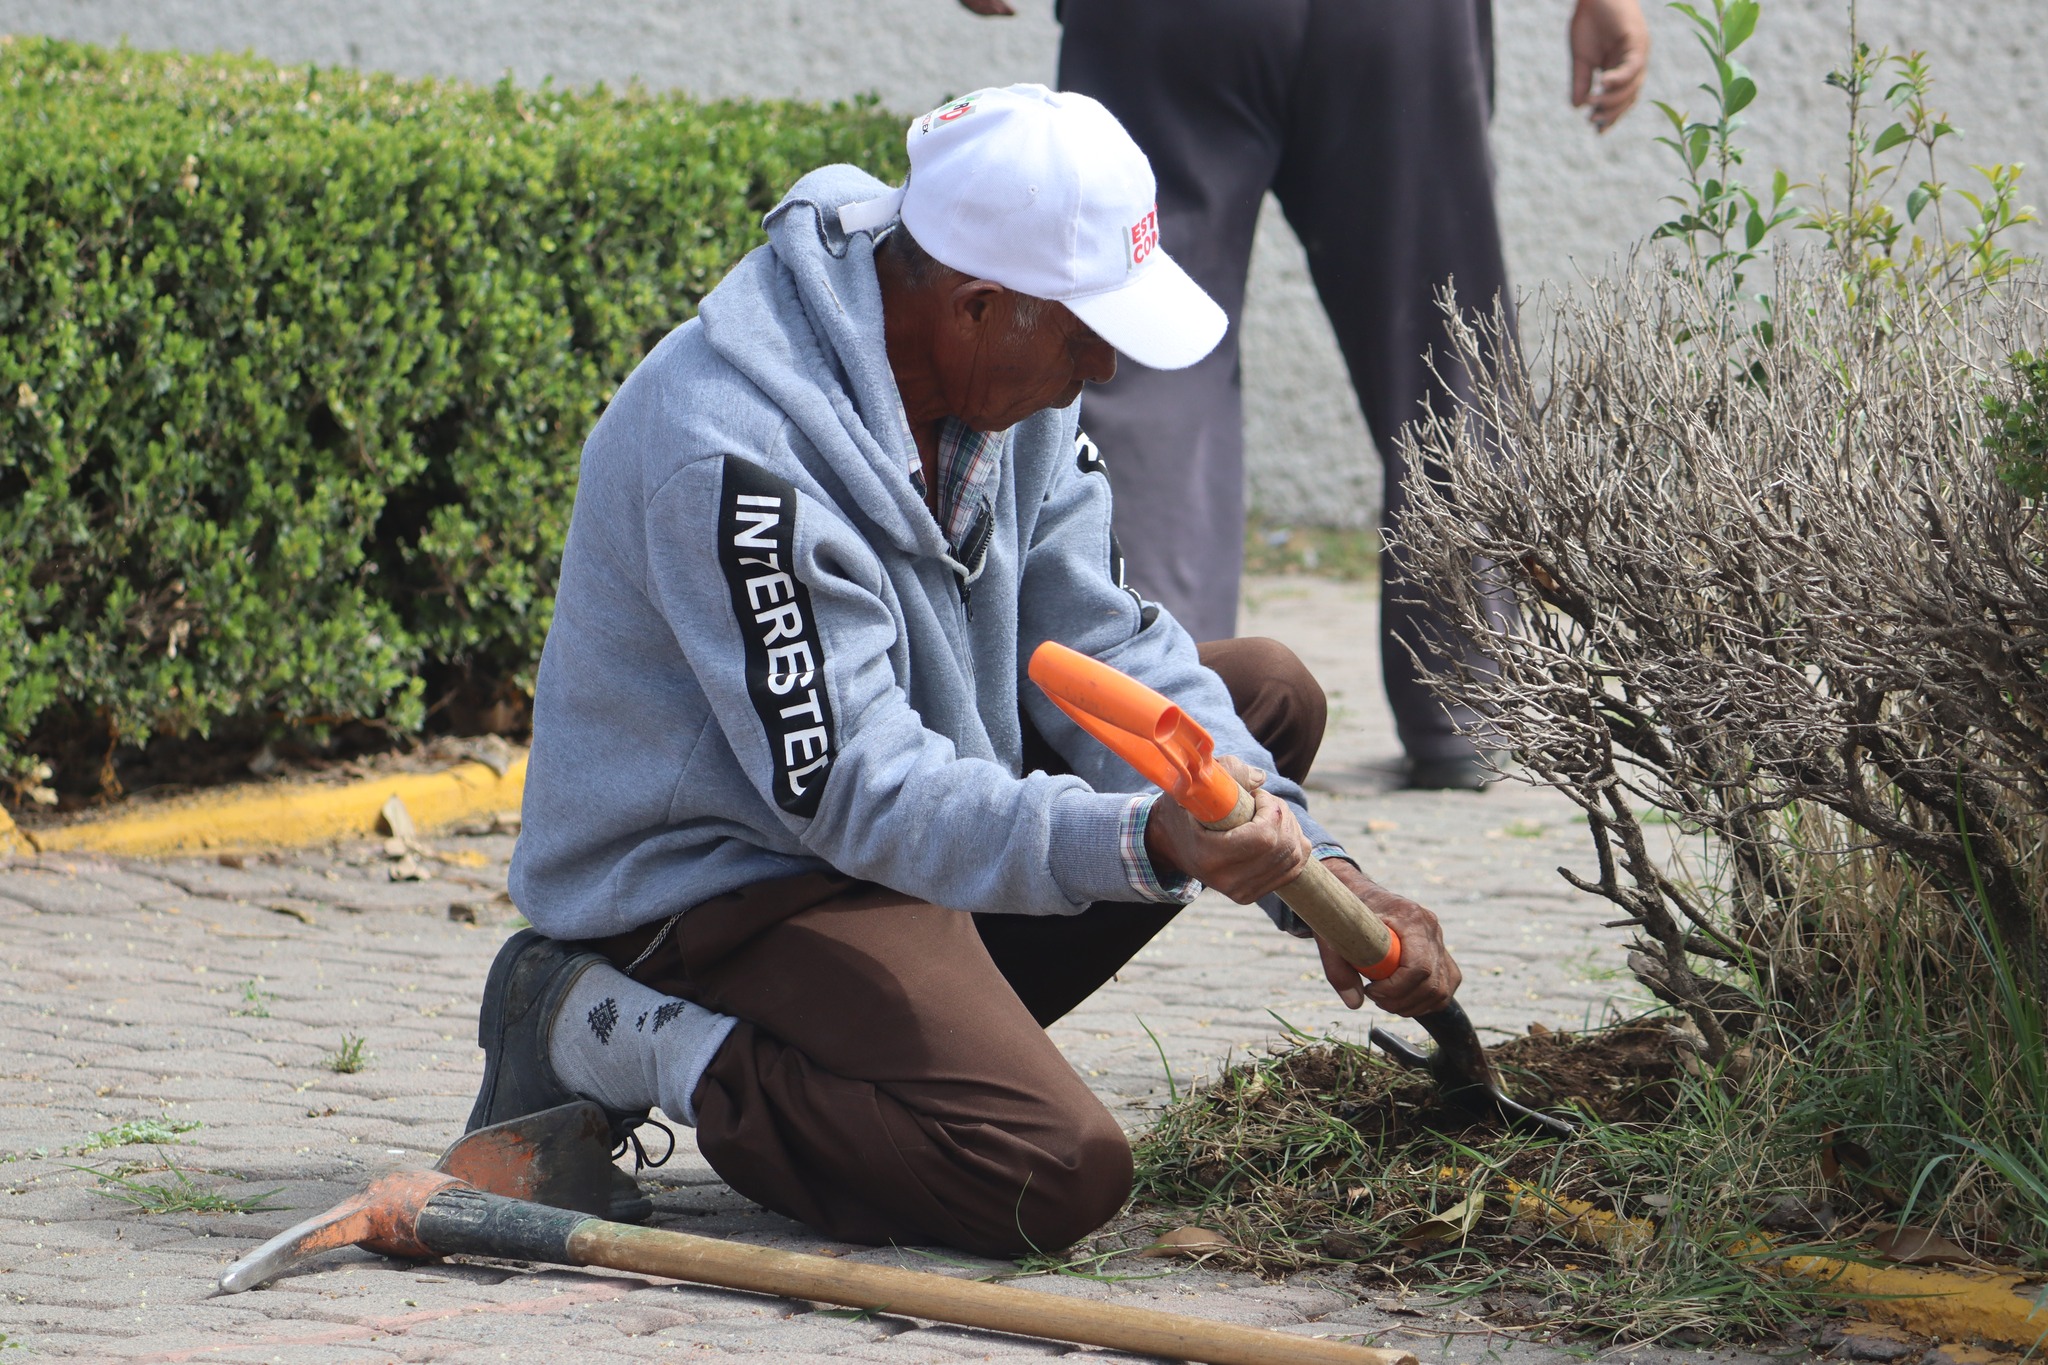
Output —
<point x="1044" y="192"/>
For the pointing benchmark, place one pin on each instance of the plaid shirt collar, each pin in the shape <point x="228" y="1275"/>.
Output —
<point x="968" y="463"/>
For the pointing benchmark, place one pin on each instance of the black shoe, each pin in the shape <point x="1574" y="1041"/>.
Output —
<point x="1465" y="773"/>
<point x="522" y="996"/>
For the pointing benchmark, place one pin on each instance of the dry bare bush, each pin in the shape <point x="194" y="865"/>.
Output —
<point x="1769" y="588"/>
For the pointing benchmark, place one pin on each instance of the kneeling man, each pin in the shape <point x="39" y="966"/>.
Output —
<point x="810" y="865"/>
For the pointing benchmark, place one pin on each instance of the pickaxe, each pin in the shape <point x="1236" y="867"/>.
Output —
<point x="523" y="1190"/>
<point x="1174" y="753"/>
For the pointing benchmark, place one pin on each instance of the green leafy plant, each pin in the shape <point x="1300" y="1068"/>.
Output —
<point x="1725" y="225"/>
<point x="2019" y="424"/>
<point x="295" y="363"/>
<point x="352" y="1056"/>
<point x="255" y="1002"/>
<point x="1720" y="220"/>
<point x="1860" y="221"/>
<point x="137" y="1131"/>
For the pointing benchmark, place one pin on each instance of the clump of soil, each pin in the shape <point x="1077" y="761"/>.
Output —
<point x="1620" y="1075"/>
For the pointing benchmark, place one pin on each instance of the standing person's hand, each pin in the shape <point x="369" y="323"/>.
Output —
<point x="989" y="8"/>
<point x="1610" y="43"/>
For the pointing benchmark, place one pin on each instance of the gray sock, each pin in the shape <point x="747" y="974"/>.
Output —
<point x="628" y="1046"/>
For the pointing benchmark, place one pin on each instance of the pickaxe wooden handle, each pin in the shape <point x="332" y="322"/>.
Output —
<point x="562" y="1154"/>
<point x="1174" y="753"/>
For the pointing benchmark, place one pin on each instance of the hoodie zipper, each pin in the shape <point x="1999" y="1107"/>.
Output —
<point x="972" y="554"/>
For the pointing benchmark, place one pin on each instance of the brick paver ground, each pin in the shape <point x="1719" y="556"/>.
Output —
<point x="212" y="998"/>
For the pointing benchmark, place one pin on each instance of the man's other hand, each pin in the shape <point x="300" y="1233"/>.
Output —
<point x="1427" y="977"/>
<point x="1610" y="43"/>
<point x="1260" y="856"/>
<point x="989" y="8"/>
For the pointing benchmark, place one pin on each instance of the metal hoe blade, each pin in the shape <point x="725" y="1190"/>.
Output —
<point x="558" y="1157"/>
<point x="1463" y="1071"/>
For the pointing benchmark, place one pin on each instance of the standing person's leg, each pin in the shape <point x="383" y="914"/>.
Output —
<point x="1388" y="180"/>
<point x="1202" y="87"/>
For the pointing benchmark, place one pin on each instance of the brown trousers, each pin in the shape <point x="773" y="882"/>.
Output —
<point x="890" y="1079"/>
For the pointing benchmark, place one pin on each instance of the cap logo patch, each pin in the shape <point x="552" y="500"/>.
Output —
<point x="1144" y="238"/>
<point x="946" y="113"/>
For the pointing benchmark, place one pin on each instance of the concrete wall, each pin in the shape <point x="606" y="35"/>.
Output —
<point x="1571" y="200"/>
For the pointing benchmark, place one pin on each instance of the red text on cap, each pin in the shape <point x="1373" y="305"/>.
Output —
<point x="1144" y="238"/>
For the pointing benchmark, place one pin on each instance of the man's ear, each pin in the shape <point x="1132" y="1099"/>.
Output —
<point x="972" y="300"/>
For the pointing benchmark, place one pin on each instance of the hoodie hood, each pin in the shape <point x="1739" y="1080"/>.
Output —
<point x="801" y="318"/>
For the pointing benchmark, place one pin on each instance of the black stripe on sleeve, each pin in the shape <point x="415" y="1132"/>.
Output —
<point x="785" y="655"/>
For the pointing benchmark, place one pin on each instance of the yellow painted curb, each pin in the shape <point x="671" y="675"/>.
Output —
<point x="1953" y="1304"/>
<point x="12" y="840"/>
<point x="1582" y="1222"/>
<point x="285" y="816"/>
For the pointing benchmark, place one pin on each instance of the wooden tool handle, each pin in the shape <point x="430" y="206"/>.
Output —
<point x="941" y="1298"/>
<point x="1328" y="906"/>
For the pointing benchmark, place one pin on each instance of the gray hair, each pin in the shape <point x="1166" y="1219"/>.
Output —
<point x="922" y="270"/>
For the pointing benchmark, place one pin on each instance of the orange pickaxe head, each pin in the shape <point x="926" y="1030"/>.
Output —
<point x="560" y="1158"/>
<point x="1144" y="729"/>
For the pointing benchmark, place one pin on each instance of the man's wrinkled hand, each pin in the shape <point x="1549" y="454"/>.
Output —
<point x="1260" y="856"/>
<point x="990" y="8"/>
<point x="1610" y="41"/>
<point x="1427" y="977"/>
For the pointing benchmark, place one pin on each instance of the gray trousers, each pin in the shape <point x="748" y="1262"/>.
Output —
<point x="1367" y="119"/>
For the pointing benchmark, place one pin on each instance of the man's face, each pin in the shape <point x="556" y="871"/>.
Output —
<point x="995" y="370"/>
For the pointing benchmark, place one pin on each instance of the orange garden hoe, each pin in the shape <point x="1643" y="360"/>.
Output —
<point x="1174" y="753"/>
<point x="522" y="1190"/>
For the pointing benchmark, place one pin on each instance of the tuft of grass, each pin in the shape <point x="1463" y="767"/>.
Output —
<point x="1327" y="1157"/>
<point x="1588" y="967"/>
<point x="134" y="1131"/>
<point x="1084" y="1262"/>
<point x="352" y="1056"/>
<point x="255" y="1002"/>
<point x="179" y="1194"/>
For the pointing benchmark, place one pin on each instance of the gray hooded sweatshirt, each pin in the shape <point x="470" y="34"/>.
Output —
<point x="766" y="659"/>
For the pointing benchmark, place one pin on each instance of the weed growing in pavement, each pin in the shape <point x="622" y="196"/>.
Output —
<point x="352" y="1056"/>
<point x="1080" y="1263"/>
<point x="179" y="1194"/>
<point x="135" y="1131"/>
<point x="255" y="1002"/>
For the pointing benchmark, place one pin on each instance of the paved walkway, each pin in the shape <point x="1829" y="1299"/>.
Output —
<point x="211" y="999"/>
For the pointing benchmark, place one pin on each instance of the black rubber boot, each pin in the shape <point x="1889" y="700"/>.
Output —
<point x="522" y="996"/>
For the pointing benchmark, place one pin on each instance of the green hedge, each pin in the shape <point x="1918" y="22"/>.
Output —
<point x="298" y="362"/>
